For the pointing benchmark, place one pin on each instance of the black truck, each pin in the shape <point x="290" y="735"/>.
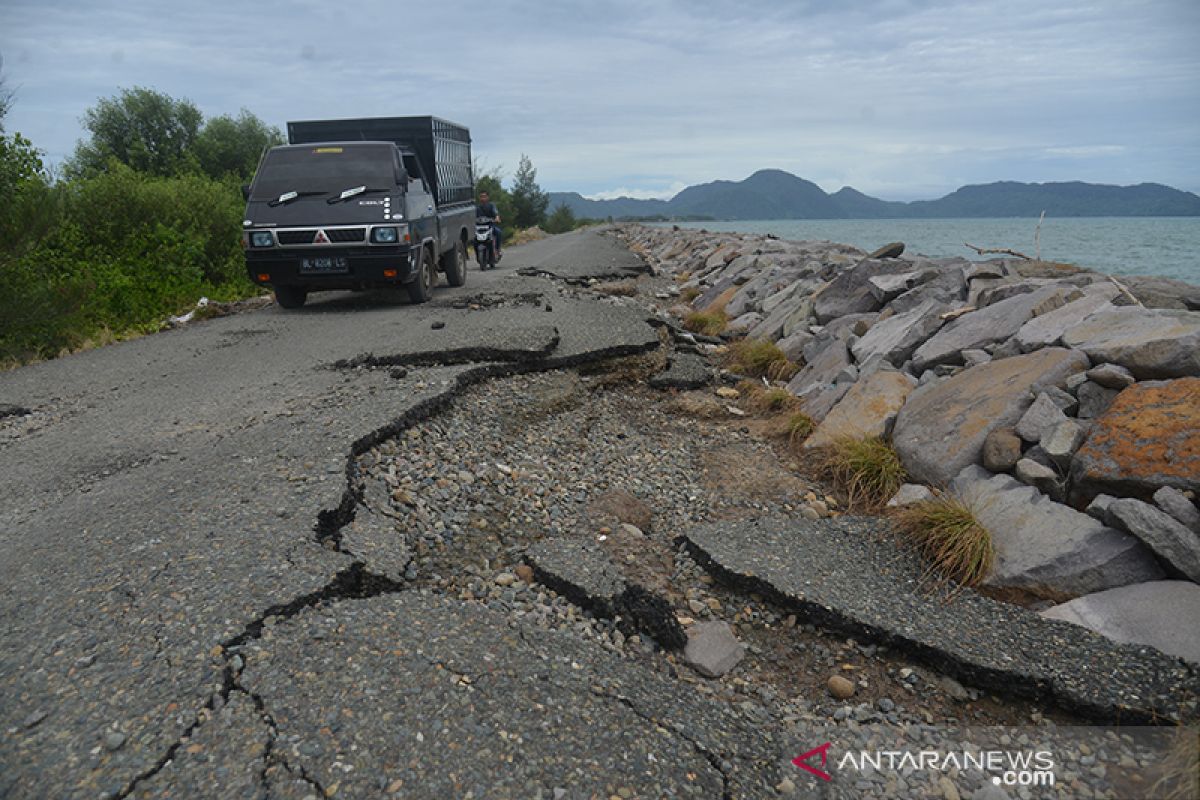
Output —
<point x="361" y="203"/>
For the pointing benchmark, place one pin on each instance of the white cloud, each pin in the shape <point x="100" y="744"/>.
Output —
<point x="613" y="96"/>
<point x="640" y="194"/>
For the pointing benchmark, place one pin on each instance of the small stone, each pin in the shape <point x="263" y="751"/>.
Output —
<point x="114" y="740"/>
<point x="632" y="530"/>
<point x="505" y="579"/>
<point x="1001" y="450"/>
<point x="1098" y="508"/>
<point x="728" y="393"/>
<point x="809" y="513"/>
<point x="438" y="325"/>
<point x="1176" y="503"/>
<point x="34" y="718"/>
<point x="712" y="649"/>
<point x="954" y="688"/>
<point x="1041" y="417"/>
<point x="948" y="789"/>
<point x="840" y="687"/>
<point x="1094" y="399"/>
<point x="786" y="786"/>
<point x="524" y="572"/>
<point x="886" y="705"/>
<point x="1111" y="376"/>
<point x="910" y="494"/>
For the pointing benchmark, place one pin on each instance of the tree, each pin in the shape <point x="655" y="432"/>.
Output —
<point x="144" y="129"/>
<point x="528" y="199"/>
<point x="233" y="145"/>
<point x="562" y="220"/>
<point x="6" y="96"/>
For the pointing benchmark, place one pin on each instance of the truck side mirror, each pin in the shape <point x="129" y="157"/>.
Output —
<point x="246" y="192"/>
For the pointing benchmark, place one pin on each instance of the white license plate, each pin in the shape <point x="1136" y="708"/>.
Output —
<point x="331" y="264"/>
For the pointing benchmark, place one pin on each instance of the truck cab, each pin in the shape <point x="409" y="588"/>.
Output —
<point x="339" y="209"/>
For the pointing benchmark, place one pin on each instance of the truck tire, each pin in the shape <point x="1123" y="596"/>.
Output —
<point x="456" y="264"/>
<point x="421" y="288"/>
<point x="290" y="296"/>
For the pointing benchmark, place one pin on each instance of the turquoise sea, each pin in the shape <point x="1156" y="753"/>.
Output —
<point x="1167" y="246"/>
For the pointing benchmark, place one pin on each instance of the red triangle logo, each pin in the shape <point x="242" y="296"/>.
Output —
<point x="321" y="238"/>
<point x="801" y="761"/>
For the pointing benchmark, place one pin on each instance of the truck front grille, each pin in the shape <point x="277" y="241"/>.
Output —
<point x="335" y="235"/>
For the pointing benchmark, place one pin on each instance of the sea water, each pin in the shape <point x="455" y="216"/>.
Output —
<point x="1166" y="246"/>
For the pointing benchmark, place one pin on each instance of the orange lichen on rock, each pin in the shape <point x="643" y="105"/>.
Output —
<point x="1148" y="438"/>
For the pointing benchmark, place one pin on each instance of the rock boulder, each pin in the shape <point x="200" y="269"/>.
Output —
<point x="1150" y="343"/>
<point x="942" y="427"/>
<point x="1046" y="548"/>
<point x="1161" y="614"/>
<point x="1148" y="438"/>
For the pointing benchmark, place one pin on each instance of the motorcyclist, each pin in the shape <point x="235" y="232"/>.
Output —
<point x="486" y="208"/>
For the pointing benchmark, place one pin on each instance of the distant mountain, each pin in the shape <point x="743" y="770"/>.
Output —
<point x="775" y="194"/>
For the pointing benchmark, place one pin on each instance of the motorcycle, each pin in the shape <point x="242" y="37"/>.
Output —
<point x="485" y="243"/>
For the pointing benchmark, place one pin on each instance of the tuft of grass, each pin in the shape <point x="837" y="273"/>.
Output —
<point x="949" y="536"/>
<point x="1179" y="772"/>
<point x="868" y="469"/>
<point x="707" y="323"/>
<point x="759" y="358"/>
<point x="767" y="399"/>
<point x="800" y="427"/>
<point x="690" y="293"/>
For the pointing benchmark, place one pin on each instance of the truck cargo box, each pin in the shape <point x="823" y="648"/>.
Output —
<point x="443" y="147"/>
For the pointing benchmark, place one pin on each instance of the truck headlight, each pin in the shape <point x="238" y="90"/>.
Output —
<point x="385" y="235"/>
<point x="262" y="239"/>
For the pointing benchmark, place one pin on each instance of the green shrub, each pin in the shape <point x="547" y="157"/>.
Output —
<point x="115" y="252"/>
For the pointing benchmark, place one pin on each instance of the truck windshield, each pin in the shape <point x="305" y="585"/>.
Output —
<point x="323" y="169"/>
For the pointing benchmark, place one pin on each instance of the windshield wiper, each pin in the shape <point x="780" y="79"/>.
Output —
<point x="352" y="192"/>
<point x="288" y="197"/>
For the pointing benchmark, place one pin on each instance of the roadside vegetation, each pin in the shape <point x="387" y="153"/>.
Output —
<point x="759" y="358"/>
<point x="951" y="539"/>
<point x="867" y="469"/>
<point x="144" y="219"/>
<point x="706" y="323"/>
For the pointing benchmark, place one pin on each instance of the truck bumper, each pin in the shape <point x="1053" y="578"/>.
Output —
<point x="378" y="267"/>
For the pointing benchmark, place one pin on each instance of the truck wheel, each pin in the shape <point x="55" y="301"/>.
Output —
<point x="290" y="296"/>
<point x="421" y="289"/>
<point x="456" y="264"/>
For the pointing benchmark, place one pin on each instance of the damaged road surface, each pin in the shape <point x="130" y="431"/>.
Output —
<point x="183" y="618"/>
<point x="480" y="547"/>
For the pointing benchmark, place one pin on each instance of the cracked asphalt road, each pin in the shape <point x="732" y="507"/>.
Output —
<point x="183" y="617"/>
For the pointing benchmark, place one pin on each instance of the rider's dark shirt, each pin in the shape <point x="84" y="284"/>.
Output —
<point x="486" y="210"/>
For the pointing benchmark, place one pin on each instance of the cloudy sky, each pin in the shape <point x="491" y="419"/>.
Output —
<point x="902" y="99"/>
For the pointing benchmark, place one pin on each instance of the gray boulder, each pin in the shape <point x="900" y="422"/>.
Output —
<point x="822" y="368"/>
<point x="851" y="291"/>
<point x="1046" y="548"/>
<point x="1001" y="450"/>
<point x="942" y="427"/>
<point x="1111" y="376"/>
<point x="1166" y="536"/>
<point x="1155" y="292"/>
<point x="1061" y="442"/>
<point x="793" y="346"/>
<point x="1041" y="417"/>
<point x="1176" y="503"/>
<point x="1047" y="330"/>
<point x="995" y="323"/>
<point x="1150" y="343"/>
<point x="910" y="494"/>
<point x="1094" y="399"/>
<point x="868" y="408"/>
<point x="1037" y="475"/>
<point x="896" y="337"/>
<point x="1161" y="614"/>
<point x="1098" y="508"/>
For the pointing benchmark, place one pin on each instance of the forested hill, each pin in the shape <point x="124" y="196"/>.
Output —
<point x="775" y="194"/>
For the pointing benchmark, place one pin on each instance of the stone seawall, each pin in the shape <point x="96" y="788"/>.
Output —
<point x="1063" y="405"/>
